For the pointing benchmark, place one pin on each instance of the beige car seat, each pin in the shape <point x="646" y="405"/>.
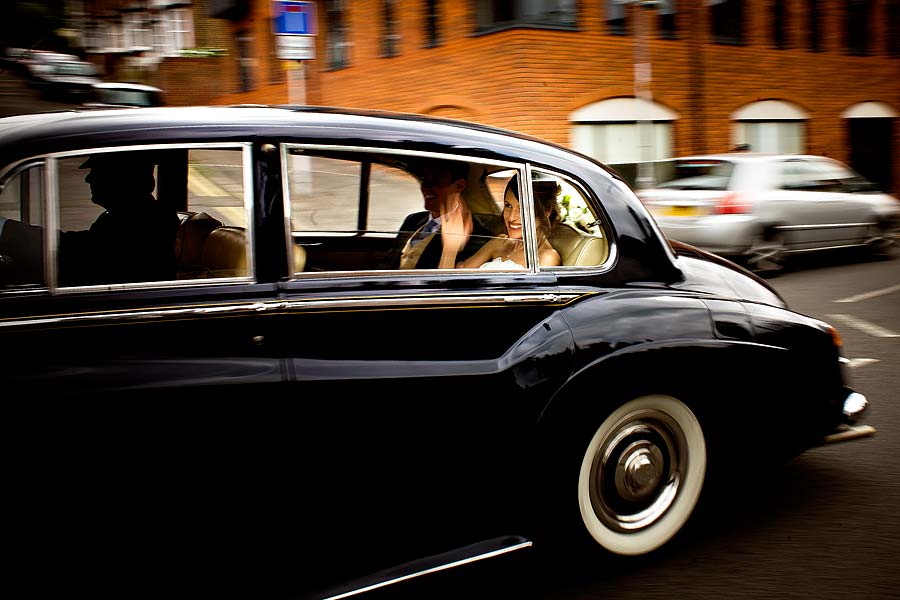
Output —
<point x="577" y="248"/>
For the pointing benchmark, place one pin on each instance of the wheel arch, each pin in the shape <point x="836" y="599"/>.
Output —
<point x="617" y="376"/>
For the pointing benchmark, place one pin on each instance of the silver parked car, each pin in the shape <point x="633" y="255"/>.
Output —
<point x="111" y="94"/>
<point x="759" y="208"/>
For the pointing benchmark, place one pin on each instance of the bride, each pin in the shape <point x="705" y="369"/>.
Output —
<point x="508" y="251"/>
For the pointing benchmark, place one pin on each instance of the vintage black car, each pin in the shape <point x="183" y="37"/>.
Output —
<point x="268" y="403"/>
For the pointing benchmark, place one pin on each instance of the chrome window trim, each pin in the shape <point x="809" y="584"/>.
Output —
<point x="249" y="210"/>
<point x="597" y="205"/>
<point x="51" y="222"/>
<point x="527" y="206"/>
<point x="126" y="148"/>
<point x="51" y="211"/>
<point x="18" y="167"/>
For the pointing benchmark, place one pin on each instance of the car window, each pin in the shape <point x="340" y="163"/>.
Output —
<point x="695" y="174"/>
<point x="359" y="211"/>
<point x="849" y="180"/>
<point x="126" y="97"/>
<point x="805" y="175"/>
<point x="76" y="68"/>
<point x="130" y="217"/>
<point x="21" y="244"/>
<point x="214" y="237"/>
<point x="575" y="228"/>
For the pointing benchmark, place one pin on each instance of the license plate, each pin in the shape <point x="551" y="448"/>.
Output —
<point x="681" y="211"/>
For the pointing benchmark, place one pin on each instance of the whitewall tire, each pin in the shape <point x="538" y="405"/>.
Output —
<point x="641" y="474"/>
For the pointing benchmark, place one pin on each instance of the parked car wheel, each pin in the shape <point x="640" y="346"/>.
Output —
<point x="767" y="254"/>
<point x="884" y="240"/>
<point x="641" y="474"/>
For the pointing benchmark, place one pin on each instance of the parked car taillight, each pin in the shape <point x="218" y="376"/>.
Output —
<point x="732" y="204"/>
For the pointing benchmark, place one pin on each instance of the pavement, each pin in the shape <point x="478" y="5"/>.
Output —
<point x="18" y="98"/>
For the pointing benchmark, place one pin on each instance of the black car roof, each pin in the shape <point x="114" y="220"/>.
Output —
<point x="35" y="134"/>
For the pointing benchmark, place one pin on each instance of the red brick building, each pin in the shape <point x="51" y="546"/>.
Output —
<point x="817" y="76"/>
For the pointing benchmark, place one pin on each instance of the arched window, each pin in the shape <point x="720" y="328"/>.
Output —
<point x="623" y="130"/>
<point x="770" y="126"/>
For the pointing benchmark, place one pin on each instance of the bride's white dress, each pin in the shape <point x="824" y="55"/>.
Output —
<point x="498" y="264"/>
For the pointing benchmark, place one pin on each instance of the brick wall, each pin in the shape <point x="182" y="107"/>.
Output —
<point x="531" y="80"/>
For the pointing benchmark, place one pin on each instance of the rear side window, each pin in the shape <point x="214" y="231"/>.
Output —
<point x="573" y="227"/>
<point x="325" y="196"/>
<point x="357" y="211"/>
<point x="695" y="174"/>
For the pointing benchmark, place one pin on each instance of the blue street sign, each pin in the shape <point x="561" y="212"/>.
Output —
<point x="295" y="18"/>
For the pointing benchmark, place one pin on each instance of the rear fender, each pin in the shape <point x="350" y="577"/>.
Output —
<point x="709" y="376"/>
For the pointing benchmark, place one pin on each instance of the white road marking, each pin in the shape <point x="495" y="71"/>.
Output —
<point x="861" y="362"/>
<point x="872" y="294"/>
<point x="864" y="326"/>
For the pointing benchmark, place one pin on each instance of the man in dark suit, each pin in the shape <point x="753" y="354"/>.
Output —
<point x="422" y="243"/>
<point x="133" y="239"/>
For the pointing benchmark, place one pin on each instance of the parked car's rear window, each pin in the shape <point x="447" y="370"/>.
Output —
<point x="695" y="174"/>
<point x="127" y="97"/>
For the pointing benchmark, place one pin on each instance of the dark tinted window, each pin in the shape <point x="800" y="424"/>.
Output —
<point x="813" y="22"/>
<point x="728" y="22"/>
<point x="779" y="24"/>
<point x="666" y="25"/>
<point x="892" y="31"/>
<point x="432" y="31"/>
<point x="615" y="17"/>
<point x="390" y="41"/>
<point x="337" y="43"/>
<point x="858" y="26"/>
<point x="516" y="13"/>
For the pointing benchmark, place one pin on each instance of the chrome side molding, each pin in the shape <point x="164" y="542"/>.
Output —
<point x="432" y="564"/>
<point x="847" y="433"/>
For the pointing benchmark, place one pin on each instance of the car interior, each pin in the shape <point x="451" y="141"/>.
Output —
<point x="364" y="243"/>
<point x="346" y="213"/>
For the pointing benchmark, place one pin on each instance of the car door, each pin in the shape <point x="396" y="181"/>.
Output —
<point x="811" y="207"/>
<point x="134" y="402"/>
<point x="413" y="389"/>
<point x="96" y="336"/>
<point x="853" y="214"/>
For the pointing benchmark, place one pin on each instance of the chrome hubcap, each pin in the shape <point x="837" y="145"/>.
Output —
<point x="638" y="470"/>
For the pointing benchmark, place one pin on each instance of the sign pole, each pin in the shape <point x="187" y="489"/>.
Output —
<point x="296" y="72"/>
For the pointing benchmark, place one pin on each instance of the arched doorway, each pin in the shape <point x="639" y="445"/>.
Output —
<point x="871" y="130"/>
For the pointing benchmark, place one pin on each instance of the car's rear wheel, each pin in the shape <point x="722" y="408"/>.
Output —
<point x="641" y="474"/>
<point x="767" y="254"/>
<point x="883" y="241"/>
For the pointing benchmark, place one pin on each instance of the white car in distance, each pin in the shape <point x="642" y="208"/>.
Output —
<point x="758" y="209"/>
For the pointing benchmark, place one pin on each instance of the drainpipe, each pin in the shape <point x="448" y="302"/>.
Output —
<point x="697" y="109"/>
